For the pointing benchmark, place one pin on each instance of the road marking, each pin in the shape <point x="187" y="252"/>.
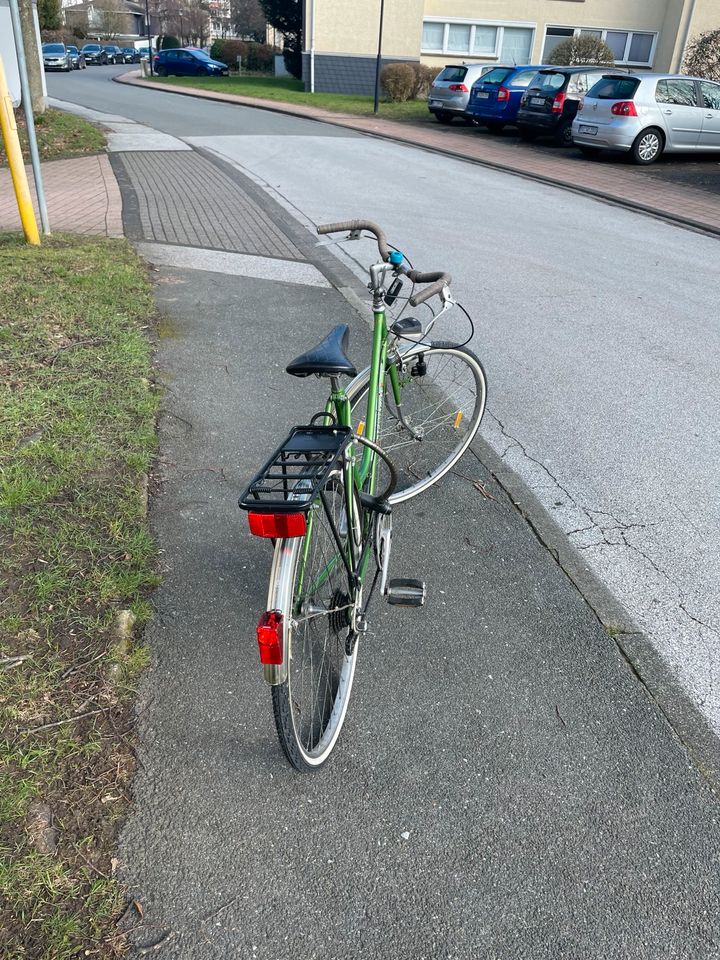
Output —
<point x="233" y="264"/>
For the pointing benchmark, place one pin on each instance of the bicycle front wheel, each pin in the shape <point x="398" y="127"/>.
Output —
<point x="442" y="399"/>
<point x="310" y="585"/>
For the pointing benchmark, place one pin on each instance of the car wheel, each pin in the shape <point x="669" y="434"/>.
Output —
<point x="647" y="146"/>
<point x="527" y="134"/>
<point x="161" y="71"/>
<point x="494" y="126"/>
<point x="442" y="117"/>
<point x="563" y="135"/>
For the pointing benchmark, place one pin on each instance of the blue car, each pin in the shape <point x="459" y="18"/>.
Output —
<point x="188" y="62"/>
<point x="495" y="97"/>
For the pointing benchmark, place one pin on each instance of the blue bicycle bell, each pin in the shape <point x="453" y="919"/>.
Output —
<point x="396" y="258"/>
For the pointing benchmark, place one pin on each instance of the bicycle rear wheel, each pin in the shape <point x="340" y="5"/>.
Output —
<point x="441" y="406"/>
<point x="310" y="585"/>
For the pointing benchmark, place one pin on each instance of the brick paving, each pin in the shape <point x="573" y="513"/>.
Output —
<point x="183" y="198"/>
<point x="627" y="185"/>
<point x="82" y="197"/>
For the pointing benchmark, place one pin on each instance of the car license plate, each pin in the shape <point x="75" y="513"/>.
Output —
<point x="584" y="128"/>
<point x="482" y="96"/>
<point x="538" y="101"/>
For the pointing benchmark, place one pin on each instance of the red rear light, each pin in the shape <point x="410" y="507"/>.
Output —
<point x="277" y="525"/>
<point x="458" y="87"/>
<point x="558" y="102"/>
<point x="270" y="637"/>
<point x="624" y="108"/>
<point x="503" y="93"/>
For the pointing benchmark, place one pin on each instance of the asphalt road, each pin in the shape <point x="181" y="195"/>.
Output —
<point x="597" y="325"/>
<point x="504" y="788"/>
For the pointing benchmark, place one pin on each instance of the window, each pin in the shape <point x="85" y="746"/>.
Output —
<point x="679" y="92"/>
<point x="710" y="94"/>
<point x="432" y="36"/>
<point x="614" y="88"/>
<point x="627" y="46"/>
<point x="452" y="75"/>
<point x="510" y="43"/>
<point x="523" y="78"/>
<point x="496" y="75"/>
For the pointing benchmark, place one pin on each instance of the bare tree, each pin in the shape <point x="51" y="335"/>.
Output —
<point x="248" y="19"/>
<point x="115" y="19"/>
<point x="32" y="56"/>
<point x="196" y="21"/>
<point x="703" y="56"/>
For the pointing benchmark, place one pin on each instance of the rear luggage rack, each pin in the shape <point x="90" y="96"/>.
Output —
<point x="297" y="471"/>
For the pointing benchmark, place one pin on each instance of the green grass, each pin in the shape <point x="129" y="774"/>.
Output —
<point x="287" y="90"/>
<point x="77" y="433"/>
<point x="59" y="136"/>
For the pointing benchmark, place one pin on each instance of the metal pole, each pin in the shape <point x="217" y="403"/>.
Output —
<point x="379" y="55"/>
<point x="9" y="134"/>
<point x="312" y="47"/>
<point x="29" y="117"/>
<point x="149" y="36"/>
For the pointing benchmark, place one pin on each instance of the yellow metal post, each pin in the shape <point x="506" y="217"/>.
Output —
<point x="15" y="161"/>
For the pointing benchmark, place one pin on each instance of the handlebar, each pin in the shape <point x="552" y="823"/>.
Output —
<point x="438" y="279"/>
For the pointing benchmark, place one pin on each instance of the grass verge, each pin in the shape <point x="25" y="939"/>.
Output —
<point x="59" y="136"/>
<point x="287" y="90"/>
<point x="77" y="434"/>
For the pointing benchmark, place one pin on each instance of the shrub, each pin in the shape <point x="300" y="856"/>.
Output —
<point x="582" y="51"/>
<point x="216" y="49"/>
<point x="61" y="36"/>
<point x="703" y="56"/>
<point x="259" y="56"/>
<point x="398" y="81"/>
<point x="169" y="43"/>
<point x="424" y="77"/>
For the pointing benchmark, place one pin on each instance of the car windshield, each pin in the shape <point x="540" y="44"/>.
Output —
<point x="496" y="75"/>
<point x="53" y="48"/>
<point x="92" y="46"/>
<point x="614" y="88"/>
<point x="452" y="75"/>
<point x="73" y="49"/>
<point x="523" y="79"/>
<point x="549" y="81"/>
<point x="109" y="46"/>
<point x="200" y="54"/>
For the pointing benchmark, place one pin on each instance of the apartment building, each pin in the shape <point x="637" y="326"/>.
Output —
<point x="341" y="36"/>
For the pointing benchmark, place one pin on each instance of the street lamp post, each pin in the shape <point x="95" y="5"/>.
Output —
<point x="379" y="55"/>
<point x="149" y="36"/>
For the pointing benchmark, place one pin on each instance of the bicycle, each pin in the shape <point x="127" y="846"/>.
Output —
<point x="325" y="497"/>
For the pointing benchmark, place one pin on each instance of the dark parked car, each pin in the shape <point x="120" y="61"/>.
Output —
<point x="76" y="58"/>
<point x="495" y="97"/>
<point x="130" y="55"/>
<point x="188" y="62"/>
<point x="549" y="105"/>
<point x="114" y="53"/>
<point x="94" y="53"/>
<point x="56" y="57"/>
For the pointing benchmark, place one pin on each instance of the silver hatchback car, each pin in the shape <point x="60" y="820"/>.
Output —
<point x="450" y="91"/>
<point x="649" y="114"/>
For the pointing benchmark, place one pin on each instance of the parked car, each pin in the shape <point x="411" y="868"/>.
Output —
<point x="114" y="53"/>
<point x="76" y="58"/>
<point x="56" y="57"/>
<point x="495" y="97"/>
<point x="450" y="91"/>
<point x="188" y="62"/>
<point x="94" y="53"/>
<point x="648" y="115"/>
<point x="549" y="104"/>
<point x="130" y="55"/>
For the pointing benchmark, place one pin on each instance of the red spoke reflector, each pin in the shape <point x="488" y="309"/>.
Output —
<point x="270" y="637"/>
<point x="624" y="108"/>
<point x="277" y="525"/>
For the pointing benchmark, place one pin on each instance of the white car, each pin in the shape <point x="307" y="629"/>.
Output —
<point x="649" y="114"/>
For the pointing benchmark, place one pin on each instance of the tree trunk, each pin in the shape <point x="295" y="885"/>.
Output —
<point x="32" y="56"/>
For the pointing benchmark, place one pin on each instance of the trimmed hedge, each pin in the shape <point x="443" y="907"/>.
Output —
<point x="255" y="56"/>
<point x="406" y="81"/>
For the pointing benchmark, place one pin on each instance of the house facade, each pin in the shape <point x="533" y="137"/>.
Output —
<point x="341" y="36"/>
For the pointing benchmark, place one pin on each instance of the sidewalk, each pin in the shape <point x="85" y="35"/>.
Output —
<point x="82" y="197"/>
<point x="628" y="186"/>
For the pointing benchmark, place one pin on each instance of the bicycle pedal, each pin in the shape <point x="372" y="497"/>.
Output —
<point x="402" y="592"/>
